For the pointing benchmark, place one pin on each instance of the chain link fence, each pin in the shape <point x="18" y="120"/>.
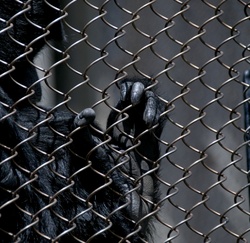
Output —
<point x="196" y="54"/>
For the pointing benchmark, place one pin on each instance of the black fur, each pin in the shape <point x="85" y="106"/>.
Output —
<point x="53" y="163"/>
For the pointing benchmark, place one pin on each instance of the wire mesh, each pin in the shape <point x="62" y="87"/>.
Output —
<point x="196" y="54"/>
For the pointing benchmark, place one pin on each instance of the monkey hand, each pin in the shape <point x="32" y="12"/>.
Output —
<point x="146" y="104"/>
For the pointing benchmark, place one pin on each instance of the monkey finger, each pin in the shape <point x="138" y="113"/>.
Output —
<point x="137" y="92"/>
<point x="246" y="76"/>
<point x="150" y="115"/>
<point x="125" y="90"/>
<point x="85" y="117"/>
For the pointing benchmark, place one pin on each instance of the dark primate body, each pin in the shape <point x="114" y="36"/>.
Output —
<point x="51" y="163"/>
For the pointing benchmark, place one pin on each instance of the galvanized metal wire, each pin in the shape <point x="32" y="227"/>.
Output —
<point x="196" y="53"/>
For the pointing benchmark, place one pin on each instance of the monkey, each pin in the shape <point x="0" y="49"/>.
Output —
<point x="63" y="179"/>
